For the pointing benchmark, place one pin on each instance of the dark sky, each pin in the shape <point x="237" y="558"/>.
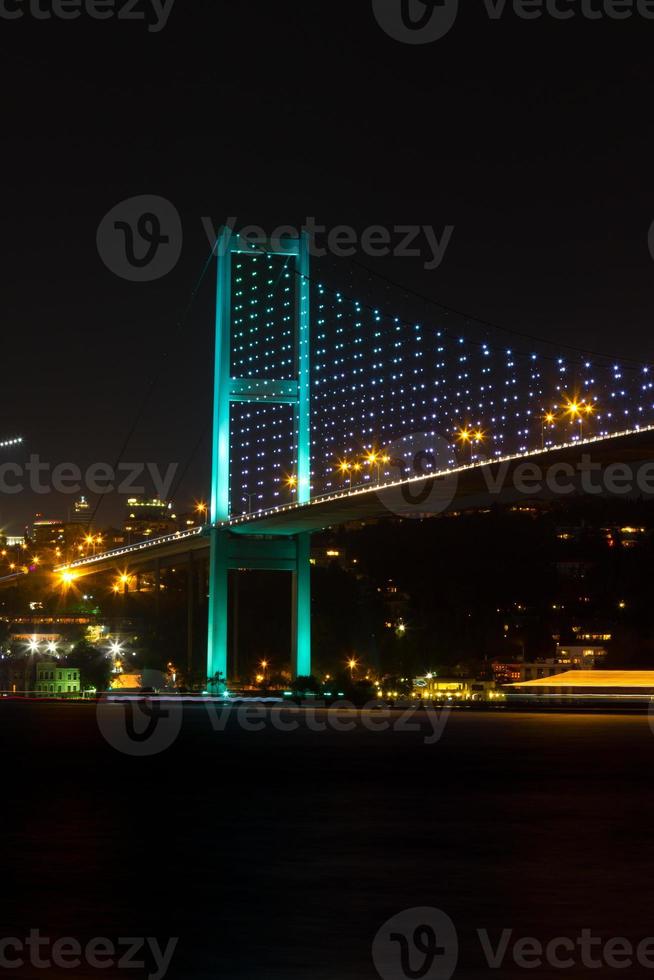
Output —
<point x="532" y="138"/>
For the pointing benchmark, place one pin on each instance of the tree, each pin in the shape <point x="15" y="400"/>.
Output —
<point x="305" y="685"/>
<point x="94" y="666"/>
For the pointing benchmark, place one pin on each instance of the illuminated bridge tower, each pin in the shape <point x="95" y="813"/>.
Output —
<point x="237" y="547"/>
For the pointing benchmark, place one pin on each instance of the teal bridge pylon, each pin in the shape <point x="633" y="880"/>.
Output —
<point x="228" y="550"/>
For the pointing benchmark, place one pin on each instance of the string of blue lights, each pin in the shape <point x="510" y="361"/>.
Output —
<point x="377" y="378"/>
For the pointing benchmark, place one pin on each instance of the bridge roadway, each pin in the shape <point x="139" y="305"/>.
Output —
<point x="471" y="485"/>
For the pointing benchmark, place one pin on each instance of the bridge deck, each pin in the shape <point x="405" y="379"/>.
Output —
<point x="468" y="486"/>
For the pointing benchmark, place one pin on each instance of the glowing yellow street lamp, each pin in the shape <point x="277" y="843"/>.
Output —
<point x="352" y="664"/>
<point x="576" y="410"/>
<point x="291" y="483"/>
<point x="548" y="418"/>
<point x="66" y="578"/>
<point x="373" y="458"/>
<point x="465" y="437"/>
<point x="344" y="468"/>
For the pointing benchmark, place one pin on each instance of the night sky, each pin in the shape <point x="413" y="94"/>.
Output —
<point x="532" y="138"/>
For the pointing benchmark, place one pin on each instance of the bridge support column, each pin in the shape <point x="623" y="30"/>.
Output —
<point x="218" y="606"/>
<point x="279" y="554"/>
<point x="290" y="553"/>
<point x="301" y="636"/>
<point x="190" y="612"/>
<point x="157" y="587"/>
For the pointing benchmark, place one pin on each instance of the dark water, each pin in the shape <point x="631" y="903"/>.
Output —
<point x="281" y="855"/>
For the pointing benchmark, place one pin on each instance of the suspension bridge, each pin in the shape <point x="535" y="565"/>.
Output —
<point x="328" y="409"/>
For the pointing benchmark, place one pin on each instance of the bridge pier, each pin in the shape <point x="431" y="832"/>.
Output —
<point x="281" y="554"/>
<point x="190" y="612"/>
<point x="218" y="607"/>
<point x="301" y="608"/>
<point x="292" y="388"/>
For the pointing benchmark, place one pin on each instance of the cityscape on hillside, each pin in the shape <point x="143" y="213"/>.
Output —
<point x="563" y="589"/>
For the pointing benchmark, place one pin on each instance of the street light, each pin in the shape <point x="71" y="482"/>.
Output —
<point x="465" y="437"/>
<point x="352" y="664"/>
<point x="372" y="459"/>
<point x="344" y="468"/>
<point x="549" y="418"/>
<point x="576" y="410"/>
<point x="291" y="483"/>
<point x="67" y="579"/>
